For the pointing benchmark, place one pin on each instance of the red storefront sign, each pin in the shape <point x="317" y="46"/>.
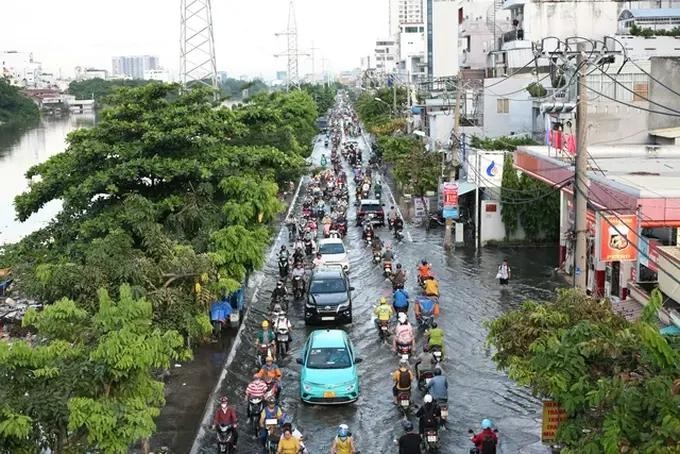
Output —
<point x="450" y="193"/>
<point x="617" y="236"/>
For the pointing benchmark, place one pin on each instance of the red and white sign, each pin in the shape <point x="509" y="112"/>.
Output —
<point x="450" y="192"/>
<point x="617" y="238"/>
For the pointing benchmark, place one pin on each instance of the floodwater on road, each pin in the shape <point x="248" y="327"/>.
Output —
<point x="470" y="296"/>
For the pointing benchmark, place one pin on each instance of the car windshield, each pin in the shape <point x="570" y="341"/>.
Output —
<point x="328" y="358"/>
<point x="328" y="286"/>
<point x="332" y="248"/>
<point x="370" y="207"/>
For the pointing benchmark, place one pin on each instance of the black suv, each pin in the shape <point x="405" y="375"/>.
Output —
<point x="329" y="296"/>
<point x="370" y="209"/>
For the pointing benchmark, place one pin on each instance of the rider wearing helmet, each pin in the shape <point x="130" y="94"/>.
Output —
<point x="398" y="277"/>
<point x="270" y="411"/>
<point x="343" y="442"/>
<point x="435" y="337"/>
<point x="279" y="293"/>
<point x="388" y="255"/>
<point x="383" y="310"/>
<point x="431" y="287"/>
<point x="424" y="305"/>
<point x="409" y="443"/>
<point x="429" y="414"/>
<point x="424" y="271"/>
<point x="486" y="440"/>
<point x="438" y="387"/>
<point x="403" y="332"/>
<point x="402" y="377"/>
<point x="266" y="336"/>
<point x="226" y="416"/>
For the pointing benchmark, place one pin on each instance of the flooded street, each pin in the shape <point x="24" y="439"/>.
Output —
<point x="21" y="149"/>
<point x="470" y="296"/>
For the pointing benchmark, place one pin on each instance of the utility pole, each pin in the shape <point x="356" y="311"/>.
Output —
<point x="448" y="232"/>
<point x="581" y="170"/>
<point x="197" y="64"/>
<point x="293" y="79"/>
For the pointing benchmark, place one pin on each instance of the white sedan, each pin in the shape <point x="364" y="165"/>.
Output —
<point x="333" y="252"/>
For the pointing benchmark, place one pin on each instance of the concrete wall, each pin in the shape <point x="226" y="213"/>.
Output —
<point x="570" y="18"/>
<point x="665" y="69"/>
<point x="474" y="44"/>
<point x="445" y="38"/>
<point x="518" y="120"/>
<point x="492" y="227"/>
<point x="441" y="125"/>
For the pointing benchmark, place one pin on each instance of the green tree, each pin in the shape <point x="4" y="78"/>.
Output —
<point x="87" y="382"/>
<point x="412" y="165"/>
<point x="377" y="114"/>
<point x="98" y="89"/>
<point x="322" y="94"/>
<point x="15" y="107"/>
<point x="614" y="378"/>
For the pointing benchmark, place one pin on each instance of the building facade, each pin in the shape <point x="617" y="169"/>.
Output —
<point x="133" y="67"/>
<point x="386" y="54"/>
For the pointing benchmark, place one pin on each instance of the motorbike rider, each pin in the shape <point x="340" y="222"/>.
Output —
<point x="299" y="254"/>
<point x="256" y="389"/>
<point x="298" y="271"/>
<point x="425" y="362"/>
<point x="279" y="293"/>
<point x="409" y="443"/>
<point x="343" y="442"/>
<point x="398" y="224"/>
<point x="282" y="323"/>
<point x="318" y="260"/>
<point x="392" y="216"/>
<point x="486" y="440"/>
<point x="288" y="425"/>
<point x="388" y="255"/>
<point x="435" y="337"/>
<point x="266" y="336"/>
<point x="368" y="229"/>
<point x="403" y="333"/>
<point x="270" y="411"/>
<point x="431" y="287"/>
<point x="288" y="444"/>
<point x="283" y="252"/>
<point x="400" y="300"/>
<point x="383" y="311"/>
<point x="291" y="223"/>
<point x="429" y="414"/>
<point x="402" y="377"/>
<point x="424" y="305"/>
<point x="424" y="271"/>
<point x="398" y="277"/>
<point x="226" y="415"/>
<point x="438" y="387"/>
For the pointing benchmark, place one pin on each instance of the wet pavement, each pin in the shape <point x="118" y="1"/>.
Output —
<point x="470" y="296"/>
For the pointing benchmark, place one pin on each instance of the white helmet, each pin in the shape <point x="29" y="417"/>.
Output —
<point x="402" y="317"/>
<point x="427" y="399"/>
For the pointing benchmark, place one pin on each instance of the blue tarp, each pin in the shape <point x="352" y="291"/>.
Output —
<point x="670" y="330"/>
<point x="220" y="310"/>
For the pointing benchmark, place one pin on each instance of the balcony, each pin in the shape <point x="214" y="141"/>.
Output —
<point x="513" y="35"/>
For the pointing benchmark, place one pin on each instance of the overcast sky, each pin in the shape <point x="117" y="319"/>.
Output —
<point x="68" y="33"/>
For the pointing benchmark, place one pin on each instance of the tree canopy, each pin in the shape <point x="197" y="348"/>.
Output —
<point x="168" y="204"/>
<point x="15" y="107"/>
<point x="617" y="380"/>
<point x="98" y="88"/>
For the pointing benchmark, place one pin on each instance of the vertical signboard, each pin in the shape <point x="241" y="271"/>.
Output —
<point x="553" y="415"/>
<point x="617" y="237"/>
<point x="450" y="200"/>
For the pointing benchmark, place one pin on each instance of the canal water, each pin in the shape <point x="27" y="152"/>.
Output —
<point x="20" y="149"/>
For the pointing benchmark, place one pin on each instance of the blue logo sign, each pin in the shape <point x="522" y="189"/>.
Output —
<point x="492" y="170"/>
<point x="450" y="213"/>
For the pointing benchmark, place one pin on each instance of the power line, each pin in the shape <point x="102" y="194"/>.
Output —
<point x="636" y="94"/>
<point x="514" y="73"/>
<point x="627" y="104"/>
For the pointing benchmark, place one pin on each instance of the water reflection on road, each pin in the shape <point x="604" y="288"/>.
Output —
<point x="470" y="296"/>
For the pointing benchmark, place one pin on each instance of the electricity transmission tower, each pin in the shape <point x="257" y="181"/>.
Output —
<point x="293" y="79"/>
<point x="197" y="44"/>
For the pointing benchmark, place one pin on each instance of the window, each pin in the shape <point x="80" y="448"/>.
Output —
<point x="640" y="91"/>
<point x="460" y="15"/>
<point x="328" y="358"/>
<point x="502" y="105"/>
<point x="332" y="248"/>
<point x="328" y="286"/>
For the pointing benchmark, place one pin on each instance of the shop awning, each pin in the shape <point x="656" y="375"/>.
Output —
<point x="464" y="187"/>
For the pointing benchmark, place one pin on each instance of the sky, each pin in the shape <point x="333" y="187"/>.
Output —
<point x="63" y="34"/>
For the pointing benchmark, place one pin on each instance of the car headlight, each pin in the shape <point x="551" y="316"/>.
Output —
<point x="343" y="306"/>
<point x="350" y="387"/>
<point x="307" y="387"/>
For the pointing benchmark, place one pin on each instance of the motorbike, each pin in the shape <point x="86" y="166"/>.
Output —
<point x="333" y="234"/>
<point x="443" y="410"/>
<point x="377" y="256"/>
<point x="219" y="316"/>
<point x="378" y="193"/>
<point x="342" y="228"/>
<point x="282" y="342"/>
<point x="298" y="288"/>
<point x="263" y="350"/>
<point x="255" y="406"/>
<point x="425" y="321"/>
<point x="431" y="440"/>
<point x="424" y="377"/>
<point x="476" y="450"/>
<point x="326" y="230"/>
<point x="272" y="427"/>
<point x="404" y="350"/>
<point x="225" y="438"/>
<point x="284" y="267"/>
<point x="308" y="247"/>
<point x="404" y="401"/>
<point x="387" y="268"/>
<point x="383" y="329"/>
<point x="368" y="237"/>
<point x="436" y="354"/>
<point x="398" y="234"/>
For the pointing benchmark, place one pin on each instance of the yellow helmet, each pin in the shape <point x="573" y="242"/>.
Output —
<point x="265" y="324"/>
<point x="383" y="300"/>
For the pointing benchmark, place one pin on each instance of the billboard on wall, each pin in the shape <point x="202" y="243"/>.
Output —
<point x="491" y="169"/>
<point x="617" y="238"/>
<point x="450" y="200"/>
<point x="553" y="415"/>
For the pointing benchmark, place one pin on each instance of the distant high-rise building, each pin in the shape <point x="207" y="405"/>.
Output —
<point x="134" y="66"/>
<point x="281" y="75"/>
<point x="404" y="12"/>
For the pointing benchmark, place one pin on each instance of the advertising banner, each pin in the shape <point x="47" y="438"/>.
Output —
<point x="617" y="237"/>
<point x="553" y="415"/>
<point x="450" y="200"/>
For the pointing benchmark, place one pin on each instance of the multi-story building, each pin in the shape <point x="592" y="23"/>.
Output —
<point x="386" y="54"/>
<point x="134" y="66"/>
<point x="412" y="47"/>
<point x="404" y="12"/>
<point x="21" y="69"/>
<point x="441" y="23"/>
<point x="479" y="24"/>
<point x="159" y="74"/>
<point x="90" y="73"/>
